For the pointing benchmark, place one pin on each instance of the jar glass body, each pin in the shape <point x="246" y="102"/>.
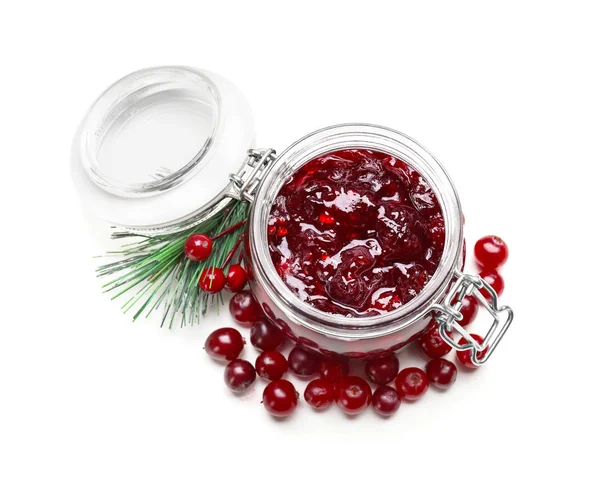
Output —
<point x="334" y="334"/>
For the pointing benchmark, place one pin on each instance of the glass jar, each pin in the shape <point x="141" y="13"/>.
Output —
<point x="186" y="174"/>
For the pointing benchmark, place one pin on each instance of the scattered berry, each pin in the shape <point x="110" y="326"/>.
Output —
<point x="224" y="344"/>
<point x="303" y="363"/>
<point x="212" y="280"/>
<point x="280" y="398"/>
<point x="353" y="395"/>
<point x="469" y="310"/>
<point x="333" y="370"/>
<point x="236" y="278"/>
<point x="441" y="373"/>
<point x="432" y="343"/>
<point x="386" y="401"/>
<point x="198" y="247"/>
<point x="412" y="383"/>
<point x="319" y="393"/>
<point x="493" y="279"/>
<point x="271" y="365"/>
<point x="491" y="252"/>
<point x="464" y="357"/>
<point x="265" y="336"/>
<point x="382" y="369"/>
<point x="244" y="309"/>
<point x="239" y="375"/>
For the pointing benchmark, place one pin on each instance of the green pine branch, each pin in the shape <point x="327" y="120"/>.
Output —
<point x="153" y="271"/>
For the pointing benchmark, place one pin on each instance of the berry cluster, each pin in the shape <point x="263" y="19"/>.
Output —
<point x="198" y="247"/>
<point x="330" y="379"/>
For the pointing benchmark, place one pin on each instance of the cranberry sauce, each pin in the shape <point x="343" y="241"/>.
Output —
<point x="356" y="232"/>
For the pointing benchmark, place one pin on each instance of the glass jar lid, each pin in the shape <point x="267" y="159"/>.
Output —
<point x="155" y="150"/>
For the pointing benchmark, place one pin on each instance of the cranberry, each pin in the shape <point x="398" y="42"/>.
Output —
<point x="402" y="232"/>
<point x="244" y="309"/>
<point x="280" y="398"/>
<point x="464" y="357"/>
<point x="239" y="375"/>
<point x="198" y="247"/>
<point x="491" y="252"/>
<point x="264" y="336"/>
<point x="303" y="363"/>
<point x="333" y="370"/>
<point x="469" y="310"/>
<point x="236" y="278"/>
<point x="224" y="344"/>
<point x="271" y="365"/>
<point x="382" y="369"/>
<point x="356" y="232"/>
<point x="347" y="288"/>
<point x="353" y="395"/>
<point x="493" y="279"/>
<point x="212" y="280"/>
<point x="357" y="258"/>
<point x="386" y="401"/>
<point x="423" y="198"/>
<point x="319" y="393"/>
<point x="441" y="373"/>
<point x="326" y="218"/>
<point x="412" y="383"/>
<point x="432" y="343"/>
<point x="437" y="232"/>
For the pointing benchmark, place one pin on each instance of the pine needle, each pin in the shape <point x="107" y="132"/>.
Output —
<point x="154" y="271"/>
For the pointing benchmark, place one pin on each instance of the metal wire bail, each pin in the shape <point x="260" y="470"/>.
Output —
<point x="447" y="315"/>
<point x="248" y="177"/>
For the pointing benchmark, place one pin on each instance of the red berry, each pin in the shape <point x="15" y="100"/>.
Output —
<point x="491" y="252"/>
<point x="224" y="344"/>
<point x="264" y="336"/>
<point x="236" y="278"/>
<point x="386" y="401"/>
<point x="432" y="343"/>
<point x="271" y="365"/>
<point x="303" y="363"/>
<point x="464" y="357"/>
<point x="382" y="369"/>
<point x="333" y="370"/>
<point x="280" y="398"/>
<point x="441" y="373"/>
<point x="469" y="310"/>
<point x="319" y="393"/>
<point x="212" y="280"/>
<point x="326" y="218"/>
<point x="244" y="309"/>
<point x="353" y="395"/>
<point x="493" y="279"/>
<point x="198" y="247"/>
<point x="412" y="383"/>
<point x="239" y="375"/>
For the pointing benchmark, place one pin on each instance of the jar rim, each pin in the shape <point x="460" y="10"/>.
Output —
<point x="345" y="136"/>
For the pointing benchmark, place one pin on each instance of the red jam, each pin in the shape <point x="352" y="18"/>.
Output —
<point x="356" y="232"/>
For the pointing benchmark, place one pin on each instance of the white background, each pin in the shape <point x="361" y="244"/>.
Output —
<point x="506" y="95"/>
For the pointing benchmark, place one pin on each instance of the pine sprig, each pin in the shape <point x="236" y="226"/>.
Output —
<point x="154" y="271"/>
